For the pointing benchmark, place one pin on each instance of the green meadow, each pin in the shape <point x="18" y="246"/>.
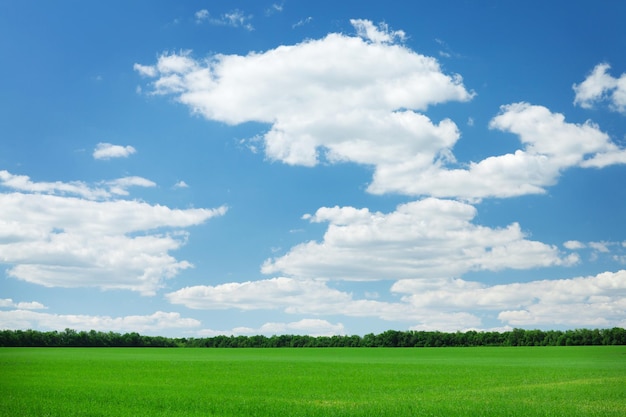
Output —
<point x="500" y="381"/>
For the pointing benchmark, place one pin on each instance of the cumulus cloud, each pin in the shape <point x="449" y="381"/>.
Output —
<point x="582" y="301"/>
<point x="426" y="239"/>
<point x="275" y="293"/>
<point x="357" y="99"/>
<point x="598" y="301"/>
<point x="310" y="327"/>
<point x="600" y="86"/>
<point x="550" y="145"/>
<point x="151" y="324"/>
<point x="563" y="144"/>
<point x="439" y="304"/>
<point x="293" y="296"/>
<point x="65" y="241"/>
<point x="107" y="151"/>
<point x="574" y="245"/>
<point x="340" y="98"/>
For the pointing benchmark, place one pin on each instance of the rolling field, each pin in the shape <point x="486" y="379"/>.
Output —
<point x="534" y="381"/>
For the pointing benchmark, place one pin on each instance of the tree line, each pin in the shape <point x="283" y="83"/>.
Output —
<point x="389" y="338"/>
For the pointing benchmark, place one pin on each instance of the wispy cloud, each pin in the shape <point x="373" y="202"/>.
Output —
<point x="302" y="22"/>
<point x="381" y="34"/>
<point x="274" y="8"/>
<point x="99" y="191"/>
<point x="426" y="239"/>
<point x="234" y="18"/>
<point x="446" y="51"/>
<point x="202" y="15"/>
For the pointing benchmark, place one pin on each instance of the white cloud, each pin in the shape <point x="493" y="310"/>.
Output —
<point x="381" y="34"/>
<point x="608" y="249"/>
<point x="274" y="8"/>
<point x="425" y="239"/>
<point x="202" y="15"/>
<point x="600" y="86"/>
<point x="601" y="246"/>
<point x="23" y="183"/>
<point x="275" y="293"/>
<point x="341" y="97"/>
<point x="293" y="296"/>
<point x="235" y="18"/>
<point x="22" y="305"/>
<point x="436" y="304"/>
<point x="550" y="145"/>
<point x="153" y="324"/>
<point x="574" y="244"/>
<point x="107" y="151"/>
<point x="562" y="144"/>
<point x="120" y="185"/>
<point x="181" y="184"/>
<point x="104" y="190"/>
<point x="72" y="242"/>
<point x="584" y="301"/>
<point x="310" y="327"/>
<point x="598" y="301"/>
<point x="302" y="22"/>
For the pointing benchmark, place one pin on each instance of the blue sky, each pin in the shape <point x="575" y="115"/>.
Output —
<point x="244" y="167"/>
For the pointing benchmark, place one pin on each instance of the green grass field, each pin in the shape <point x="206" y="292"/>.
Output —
<point x="535" y="381"/>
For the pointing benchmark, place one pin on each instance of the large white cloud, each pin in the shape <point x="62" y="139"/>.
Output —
<point x="67" y="241"/>
<point x="440" y="304"/>
<point x="425" y="239"/>
<point x="550" y="145"/>
<point x="358" y="99"/>
<point x="275" y="293"/>
<point x="355" y="99"/>
<point x="342" y="96"/>
<point x="597" y="301"/>
<point x="293" y="296"/>
<point x="601" y="86"/>
<point x="156" y="323"/>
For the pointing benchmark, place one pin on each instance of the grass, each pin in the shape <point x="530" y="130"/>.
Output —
<point x="537" y="381"/>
